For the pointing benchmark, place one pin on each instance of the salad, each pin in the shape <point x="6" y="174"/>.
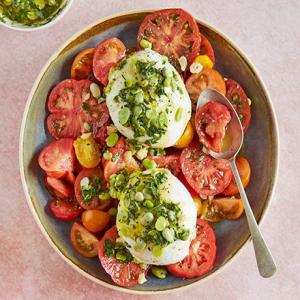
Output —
<point x="129" y="165"/>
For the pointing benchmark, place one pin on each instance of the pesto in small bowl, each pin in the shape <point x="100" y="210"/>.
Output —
<point x="24" y="14"/>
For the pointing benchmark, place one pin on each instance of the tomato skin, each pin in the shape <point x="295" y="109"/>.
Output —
<point x="206" y="48"/>
<point x="95" y="220"/>
<point x="58" y="187"/>
<point x="168" y="37"/>
<point x="244" y="169"/>
<point x="107" y="54"/>
<point x="94" y="203"/>
<point x="210" y="121"/>
<point x="65" y="210"/>
<point x="207" y="78"/>
<point x="122" y="274"/>
<point x="241" y="104"/>
<point x="170" y="162"/>
<point x="82" y="67"/>
<point x="186" y="137"/>
<point x="206" y="175"/>
<point x="58" y="158"/>
<point x="202" y="254"/>
<point x="83" y="241"/>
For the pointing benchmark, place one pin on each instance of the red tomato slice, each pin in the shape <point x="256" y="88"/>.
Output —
<point x="95" y="202"/>
<point x="170" y="162"/>
<point x="58" y="158"/>
<point x="202" y="254"/>
<point x="206" y="175"/>
<point x="59" y="188"/>
<point x="121" y="273"/>
<point x="236" y="95"/>
<point x="65" y="210"/>
<point x="72" y="106"/>
<point x="83" y="241"/>
<point x="108" y="53"/>
<point x="207" y="78"/>
<point x="210" y="121"/>
<point x="172" y="32"/>
<point x="206" y="48"/>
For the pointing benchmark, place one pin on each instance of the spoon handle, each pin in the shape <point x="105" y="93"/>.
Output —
<point x="264" y="259"/>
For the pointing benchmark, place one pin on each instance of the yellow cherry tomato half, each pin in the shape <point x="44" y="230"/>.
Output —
<point x="205" y="61"/>
<point x="186" y="137"/>
<point x="95" y="220"/>
<point x="87" y="152"/>
<point x="198" y="204"/>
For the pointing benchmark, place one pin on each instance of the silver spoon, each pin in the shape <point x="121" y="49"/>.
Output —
<point x="264" y="259"/>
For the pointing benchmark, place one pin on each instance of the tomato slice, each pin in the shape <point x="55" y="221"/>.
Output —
<point x="108" y="53"/>
<point x="236" y="95"/>
<point x="202" y="254"/>
<point x="172" y="32"/>
<point x="82" y="67"/>
<point x="65" y="210"/>
<point x="228" y="208"/>
<point x="207" y="78"/>
<point x="72" y="107"/>
<point x="94" y="202"/>
<point x="206" y="175"/>
<point x="118" y="162"/>
<point x="170" y="162"/>
<point x="83" y="241"/>
<point x="207" y="49"/>
<point x="124" y="274"/>
<point x="244" y="169"/>
<point x="59" y="188"/>
<point x="210" y="121"/>
<point x="58" y="158"/>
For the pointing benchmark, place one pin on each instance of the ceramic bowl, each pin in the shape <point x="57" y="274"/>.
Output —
<point x="63" y="9"/>
<point x="260" y="147"/>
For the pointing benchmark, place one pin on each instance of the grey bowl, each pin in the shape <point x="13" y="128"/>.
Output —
<point x="260" y="147"/>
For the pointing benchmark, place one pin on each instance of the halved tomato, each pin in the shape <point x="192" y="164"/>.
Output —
<point x="172" y="32"/>
<point x="210" y="121"/>
<point x="73" y="108"/>
<point x="83" y="241"/>
<point x="58" y="158"/>
<point x="124" y="274"/>
<point x="82" y="67"/>
<point x="202" y="254"/>
<point x="108" y="53"/>
<point x="206" y="175"/>
<point x="228" y="208"/>
<point x="95" y="220"/>
<point x="186" y="138"/>
<point x="236" y="95"/>
<point x="244" y="169"/>
<point x="88" y="197"/>
<point x="118" y="162"/>
<point x="58" y="187"/>
<point x="207" y="78"/>
<point x="206" y="48"/>
<point x="170" y="162"/>
<point x="65" y="210"/>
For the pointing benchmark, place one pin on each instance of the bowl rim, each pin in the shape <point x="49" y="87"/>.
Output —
<point x="54" y="20"/>
<point x="22" y="170"/>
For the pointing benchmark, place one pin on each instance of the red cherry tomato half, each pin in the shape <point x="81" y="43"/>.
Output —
<point x="205" y="174"/>
<point x="238" y="98"/>
<point x="206" y="48"/>
<point x="65" y="210"/>
<point x="83" y="241"/>
<point x="124" y="274"/>
<point x="202" y="254"/>
<point x="58" y="158"/>
<point x="82" y="67"/>
<point x="108" y="53"/>
<point x="210" y="121"/>
<point x="58" y="187"/>
<point x="94" y="202"/>
<point x="172" y="32"/>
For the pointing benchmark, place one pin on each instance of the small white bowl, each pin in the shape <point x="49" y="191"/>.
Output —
<point x="64" y="7"/>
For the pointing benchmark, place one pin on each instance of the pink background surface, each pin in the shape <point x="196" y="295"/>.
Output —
<point x="269" y="34"/>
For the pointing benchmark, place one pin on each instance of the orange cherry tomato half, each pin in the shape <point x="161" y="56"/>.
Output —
<point x="82" y="67"/>
<point x="95" y="220"/>
<point x="186" y="137"/>
<point x="244" y="169"/>
<point x="228" y="208"/>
